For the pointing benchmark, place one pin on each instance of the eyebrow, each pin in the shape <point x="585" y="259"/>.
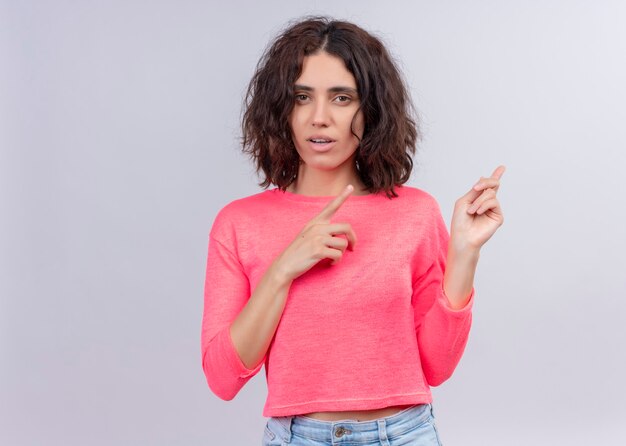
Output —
<point x="338" y="89"/>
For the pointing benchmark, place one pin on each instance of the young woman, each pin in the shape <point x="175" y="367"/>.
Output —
<point x="341" y="280"/>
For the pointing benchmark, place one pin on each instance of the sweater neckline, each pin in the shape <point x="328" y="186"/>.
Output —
<point x="318" y="198"/>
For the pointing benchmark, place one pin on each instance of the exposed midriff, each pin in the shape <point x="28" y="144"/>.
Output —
<point x="358" y="415"/>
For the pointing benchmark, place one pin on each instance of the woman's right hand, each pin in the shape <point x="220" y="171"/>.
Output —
<point x="316" y="242"/>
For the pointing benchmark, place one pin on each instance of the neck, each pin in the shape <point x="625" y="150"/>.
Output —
<point x="323" y="183"/>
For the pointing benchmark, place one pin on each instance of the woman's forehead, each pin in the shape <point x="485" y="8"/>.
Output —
<point x="325" y="71"/>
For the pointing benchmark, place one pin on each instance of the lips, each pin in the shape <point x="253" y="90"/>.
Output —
<point x="321" y="143"/>
<point x="320" y="139"/>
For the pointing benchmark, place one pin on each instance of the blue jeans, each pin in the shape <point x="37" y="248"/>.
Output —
<point x="413" y="426"/>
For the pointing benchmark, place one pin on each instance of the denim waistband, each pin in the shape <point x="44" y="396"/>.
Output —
<point x="335" y="432"/>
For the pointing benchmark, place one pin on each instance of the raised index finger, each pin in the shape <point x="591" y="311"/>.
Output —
<point x="497" y="174"/>
<point x="335" y="204"/>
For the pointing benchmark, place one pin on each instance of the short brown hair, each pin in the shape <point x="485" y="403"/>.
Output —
<point x="384" y="155"/>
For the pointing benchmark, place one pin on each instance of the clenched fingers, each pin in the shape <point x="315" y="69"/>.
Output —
<point x="485" y="206"/>
<point x="492" y="182"/>
<point x="343" y="228"/>
<point x="488" y="194"/>
<point x="484" y="183"/>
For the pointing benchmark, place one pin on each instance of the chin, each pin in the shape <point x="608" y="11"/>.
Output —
<point x="328" y="163"/>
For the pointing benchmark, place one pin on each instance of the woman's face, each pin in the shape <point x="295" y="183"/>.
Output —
<point x="326" y="101"/>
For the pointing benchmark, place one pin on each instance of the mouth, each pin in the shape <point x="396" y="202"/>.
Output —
<point x="321" y="143"/>
<point x="321" y="140"/>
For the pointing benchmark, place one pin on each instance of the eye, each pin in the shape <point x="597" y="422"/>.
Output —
<point x="343" y="98"/>
<point x="301" y="97"/>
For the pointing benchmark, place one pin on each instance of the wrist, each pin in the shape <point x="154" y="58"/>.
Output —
<point x="463" y="254"/>
<point x="278" y="274"/>
<point x="458" y="277"/>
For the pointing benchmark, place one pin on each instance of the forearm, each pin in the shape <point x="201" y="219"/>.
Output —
<point x="458" y="279"/>
<point x="253" y="329"/>
<point x="444" y="330"/>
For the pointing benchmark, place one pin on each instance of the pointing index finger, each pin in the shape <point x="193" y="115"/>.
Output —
<point x="335" y="203"/>
<point x="497" y="174"/>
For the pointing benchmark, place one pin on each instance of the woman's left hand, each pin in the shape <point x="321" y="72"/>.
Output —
<point x="477" y="214"/>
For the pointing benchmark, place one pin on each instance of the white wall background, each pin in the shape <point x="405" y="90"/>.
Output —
<point x="118" y="136"/>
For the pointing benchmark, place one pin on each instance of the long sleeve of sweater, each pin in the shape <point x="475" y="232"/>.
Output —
<point x="442" y="332"/>
<point x="226" y="291"/>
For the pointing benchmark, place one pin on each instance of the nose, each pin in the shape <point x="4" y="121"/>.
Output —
<point x="321" y="114"/>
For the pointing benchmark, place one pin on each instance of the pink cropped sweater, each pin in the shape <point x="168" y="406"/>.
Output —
<point x="372" y="331"/>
